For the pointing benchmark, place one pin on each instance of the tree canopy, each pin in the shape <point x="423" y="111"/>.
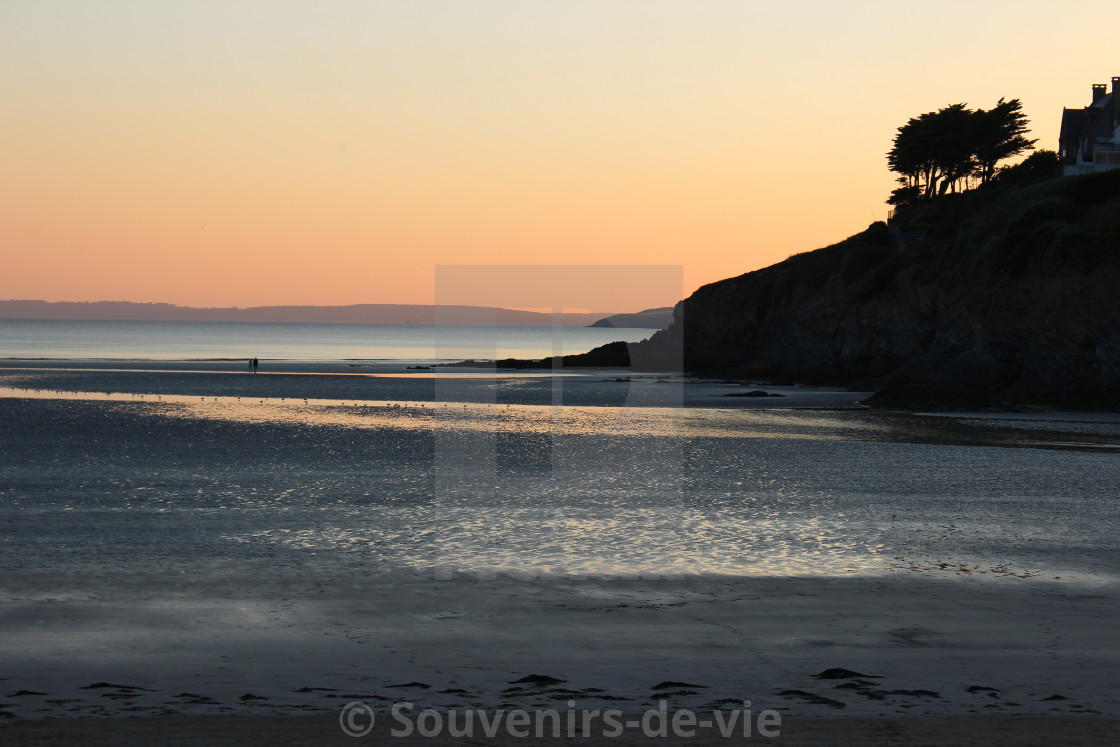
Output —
<point x="934" y="152"/>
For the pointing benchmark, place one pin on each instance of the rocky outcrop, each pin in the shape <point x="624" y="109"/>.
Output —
<point x="994" y="298"/>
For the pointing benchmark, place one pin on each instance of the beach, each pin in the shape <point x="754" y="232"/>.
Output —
<point x="222" y="553"/>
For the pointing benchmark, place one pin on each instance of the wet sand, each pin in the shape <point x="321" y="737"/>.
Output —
<point x="235" y="647"/>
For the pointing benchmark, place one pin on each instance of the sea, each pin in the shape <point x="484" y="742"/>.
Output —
<point x="192" y="340"/>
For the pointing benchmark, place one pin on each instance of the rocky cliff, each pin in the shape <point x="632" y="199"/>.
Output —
<point x="996" y="297"/>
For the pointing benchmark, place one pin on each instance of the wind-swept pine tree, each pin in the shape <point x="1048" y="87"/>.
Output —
<point x="999" y="133"/>
<point x="935" y="151"/>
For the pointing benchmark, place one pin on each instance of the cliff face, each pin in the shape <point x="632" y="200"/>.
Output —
<point x="1007" y="297"/>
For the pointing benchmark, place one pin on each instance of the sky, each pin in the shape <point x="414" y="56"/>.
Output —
<point x="258" y="152"/>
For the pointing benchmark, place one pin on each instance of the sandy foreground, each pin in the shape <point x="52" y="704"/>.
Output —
<point x="324" y="730"/>
<point x="945" y="662"/>
<point x="133" y="640"/>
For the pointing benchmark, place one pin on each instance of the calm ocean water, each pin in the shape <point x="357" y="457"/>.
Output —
<point x="162" y="340"/>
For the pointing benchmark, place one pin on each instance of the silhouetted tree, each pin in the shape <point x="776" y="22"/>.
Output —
<point x="934" y="152"/>
<point x="999" y="133"/>
<point x="1037" y="167"/>
<point x="905" y="194"/>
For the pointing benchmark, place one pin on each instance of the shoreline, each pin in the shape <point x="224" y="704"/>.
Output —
<point x="733" y="395"/>
<point x="347" y="380"/>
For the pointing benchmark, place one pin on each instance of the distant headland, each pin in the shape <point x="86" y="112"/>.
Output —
<point x="999" y="297"/>
<point x="1005" y="295"/>
<point x="989" y="286"/>
<point x="352" y="314"/>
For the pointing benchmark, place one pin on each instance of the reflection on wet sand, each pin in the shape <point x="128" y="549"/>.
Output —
<point x="500" y="418"/>
<point x="486" y="488"/>
<point x="1086" y="433"/>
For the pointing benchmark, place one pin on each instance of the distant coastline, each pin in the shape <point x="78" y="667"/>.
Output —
<point x="350" y="314"/>
<point x="658" y="318"/>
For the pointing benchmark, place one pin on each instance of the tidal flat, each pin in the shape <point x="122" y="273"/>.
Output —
<point x="177" y="540"/>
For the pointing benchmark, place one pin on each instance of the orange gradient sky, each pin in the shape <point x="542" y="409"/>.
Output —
<point x="253" y="152"/>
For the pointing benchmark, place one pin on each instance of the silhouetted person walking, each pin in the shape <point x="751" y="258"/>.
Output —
<point x="255" y="364"/>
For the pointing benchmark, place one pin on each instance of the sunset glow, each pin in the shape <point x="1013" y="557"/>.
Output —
<point x="254" y="152"/>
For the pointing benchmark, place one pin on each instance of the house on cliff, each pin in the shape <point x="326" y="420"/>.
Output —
<point x="1090" y="137"/>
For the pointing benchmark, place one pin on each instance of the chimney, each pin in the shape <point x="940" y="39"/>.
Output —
<point x="1099" y="90"/>
<point x="1115" y="84"/>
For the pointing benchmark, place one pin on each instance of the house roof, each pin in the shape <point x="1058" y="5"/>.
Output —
<point x="1103" y="101"/>
<point x="1073" y="122"/>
